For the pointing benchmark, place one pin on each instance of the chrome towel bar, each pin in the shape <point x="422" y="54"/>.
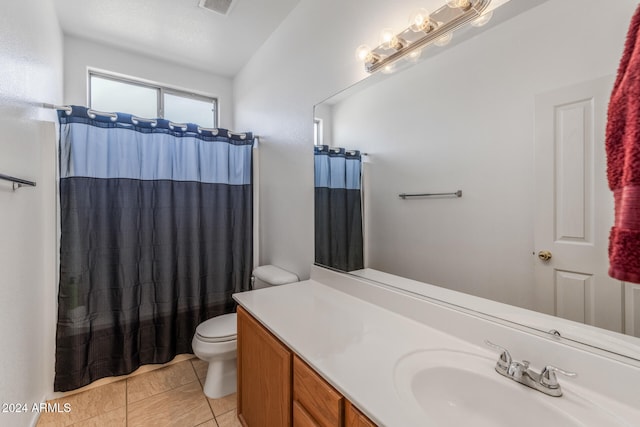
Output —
<point x="17" y="182"/>
<point x="405" y="196"/>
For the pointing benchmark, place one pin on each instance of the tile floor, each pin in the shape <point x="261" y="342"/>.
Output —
<point x="171" y="396"/>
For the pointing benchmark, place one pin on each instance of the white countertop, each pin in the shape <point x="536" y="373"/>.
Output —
<point x="356" y="333"/>
<point x="351" y="343"/>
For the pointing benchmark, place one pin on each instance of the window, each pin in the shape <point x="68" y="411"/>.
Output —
<point x="110" y="93"/>
<point x="317" y="131"/>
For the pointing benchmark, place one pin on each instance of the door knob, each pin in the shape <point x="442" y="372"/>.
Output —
<point x="544" y="255"/>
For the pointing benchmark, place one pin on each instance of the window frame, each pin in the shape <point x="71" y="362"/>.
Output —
<point x="318" y="131"/>
<point x="161" y="90"/>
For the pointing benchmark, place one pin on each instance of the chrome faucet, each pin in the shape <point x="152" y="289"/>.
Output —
<point x="546" y="381"/>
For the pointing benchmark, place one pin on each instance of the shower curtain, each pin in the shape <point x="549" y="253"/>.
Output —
<point x="156" y="234"/>
<point x="338" y="208"/>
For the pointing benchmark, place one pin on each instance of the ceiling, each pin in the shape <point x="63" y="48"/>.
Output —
<point x="177" y="30"/>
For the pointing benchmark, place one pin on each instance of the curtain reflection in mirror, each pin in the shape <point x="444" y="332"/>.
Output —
<point x="338" y="208"/>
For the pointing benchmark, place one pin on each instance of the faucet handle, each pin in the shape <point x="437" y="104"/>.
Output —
<point x="517" y="369"/>
<point x="548" y="376"/>
<point x="505" y="357"/>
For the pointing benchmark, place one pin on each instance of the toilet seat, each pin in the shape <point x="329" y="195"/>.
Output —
<point x="216" y="339"/>
<point x="218" y="329"/>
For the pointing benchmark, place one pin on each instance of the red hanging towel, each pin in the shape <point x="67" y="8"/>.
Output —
<point x="623" y="160"/>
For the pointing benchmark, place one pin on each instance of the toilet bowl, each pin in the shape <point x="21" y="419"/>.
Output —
<point x="215" y="343"/>
<point x="215" y="340"/>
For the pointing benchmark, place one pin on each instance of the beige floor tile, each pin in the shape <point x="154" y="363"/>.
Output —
<point x="230" y="419"/>
<point x="201" y="367"/>
<point x="210" y="423"/>
<point x="158" y="381"/>
<point x="223" y="405"/>
<point x="86" y="405"/>
<point x="184" y="406"/>
<point x="117" y="418"/>
<point x="49" y="420"/>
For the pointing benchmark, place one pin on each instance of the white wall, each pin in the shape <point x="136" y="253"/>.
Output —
<point x="307" y="60"/>
<point x="31" y="73"/>
<point x="81" y="54"/>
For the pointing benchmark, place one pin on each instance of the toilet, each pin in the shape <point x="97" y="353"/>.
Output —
<point x="215" y="339"/>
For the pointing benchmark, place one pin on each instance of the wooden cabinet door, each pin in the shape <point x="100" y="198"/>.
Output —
<point x="264" y="376"/>
<point x="301" y="418"/>
<point x="318" y="399"/>
<point x="355" y="418"/>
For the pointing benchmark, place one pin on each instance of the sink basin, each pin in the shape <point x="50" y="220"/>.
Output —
<point x="455" y="388"/>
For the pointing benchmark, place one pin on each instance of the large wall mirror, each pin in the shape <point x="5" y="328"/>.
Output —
<point x="514" y="117"/>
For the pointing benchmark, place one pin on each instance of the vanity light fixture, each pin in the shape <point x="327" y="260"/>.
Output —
<point x="423" y="29"/>
<point x="461" y="4"/>
<point x="444" y="40"/>
<point x="414" y="55"/>
<point x="482" y="20"/>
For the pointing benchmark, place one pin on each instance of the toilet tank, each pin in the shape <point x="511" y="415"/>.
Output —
<point x="270" y="275"/>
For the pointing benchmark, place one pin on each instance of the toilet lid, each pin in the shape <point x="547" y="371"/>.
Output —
<point x="219" y="328"/>
<point x="274" y="275"/>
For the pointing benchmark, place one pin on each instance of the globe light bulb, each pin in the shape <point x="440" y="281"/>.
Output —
<point x="419" y="20"/>
<point x="444" y="40"/>
<point x="459" y="4"/>
<point x="414" y="55"/>
<point x="388" y="69"/>
<point x="363" y="52"/>
<point x="482" y="19"/>
<point x="386" y="37"/>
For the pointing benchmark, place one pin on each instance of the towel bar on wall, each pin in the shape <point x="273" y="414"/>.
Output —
<point x="405" y="196"/>
<point x="17" y="182"/>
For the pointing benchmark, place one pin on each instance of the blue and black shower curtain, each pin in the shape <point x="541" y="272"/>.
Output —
<point x="156" y="234"/>
<point x="338" y="208"/>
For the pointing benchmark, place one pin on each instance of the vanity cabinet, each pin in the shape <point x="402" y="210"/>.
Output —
<point x="264" y="376"/>
<point x="277" y="388"/>
<point x="315" y="403"/>
<point x="355" y="418"/>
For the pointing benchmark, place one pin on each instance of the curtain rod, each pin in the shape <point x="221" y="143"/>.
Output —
<point x="337" y="150"/>
<point x="114" y="116"/>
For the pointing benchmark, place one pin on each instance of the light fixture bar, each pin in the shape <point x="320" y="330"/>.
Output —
<point x="448" y="19"/>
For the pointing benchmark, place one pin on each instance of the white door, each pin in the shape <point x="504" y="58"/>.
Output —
<point x="574" y="207"/>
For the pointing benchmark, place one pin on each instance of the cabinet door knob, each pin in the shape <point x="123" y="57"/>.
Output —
<point x="544" y="255"/>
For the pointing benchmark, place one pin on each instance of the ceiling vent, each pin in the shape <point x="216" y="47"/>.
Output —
<point x="219" y="6"/>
